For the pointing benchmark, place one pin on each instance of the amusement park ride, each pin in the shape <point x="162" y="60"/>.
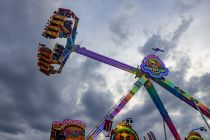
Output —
<point x="63" y="24"/>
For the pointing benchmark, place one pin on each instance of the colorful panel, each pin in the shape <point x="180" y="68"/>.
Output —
<point x="153" y="65"/>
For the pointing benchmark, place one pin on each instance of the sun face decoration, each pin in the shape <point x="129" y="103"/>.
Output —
<point x="124" y="132"/>
<point x="194" y="136"/>
<point x="124" y="135"/>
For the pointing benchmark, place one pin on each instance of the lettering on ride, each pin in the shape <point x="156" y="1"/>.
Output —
<point x="153" y="66"/>
<point x="69" y="122"/>
<point x="179" y="90"/>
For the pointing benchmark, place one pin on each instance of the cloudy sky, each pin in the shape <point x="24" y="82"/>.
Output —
<point x="125" y="30"/>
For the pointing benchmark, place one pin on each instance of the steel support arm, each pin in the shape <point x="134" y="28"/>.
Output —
<point x="156" y="99"/>
<point x="117" y="108"/>
<point x="183" y="95"/>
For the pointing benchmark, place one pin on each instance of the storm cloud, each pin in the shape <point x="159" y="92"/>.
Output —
<point x="30" y="101"/>
<point x="86" y="89"/>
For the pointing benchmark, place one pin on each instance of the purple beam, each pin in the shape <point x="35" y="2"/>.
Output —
<point x="105" y="59"/>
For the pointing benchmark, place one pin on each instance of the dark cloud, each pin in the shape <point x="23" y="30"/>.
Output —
<point x="29" y="99"/>
<point x="21" y="20"/>
<point x="181" y="7"/>
<point x="120" y="26"/>
<point x="185" y="24"/>
<point x="96" y="103"/>
<point x="168" y="45"/>
<point x="200" y="84"/>
<point x="22" y="102"/>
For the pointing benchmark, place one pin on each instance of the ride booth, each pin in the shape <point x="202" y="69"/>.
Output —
<point x="194" y="136"/>
<point x="68" y="130"/>
<point x="124" y="131"/>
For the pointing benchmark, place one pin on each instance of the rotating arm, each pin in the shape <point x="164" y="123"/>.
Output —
<point x="105" y="59"/>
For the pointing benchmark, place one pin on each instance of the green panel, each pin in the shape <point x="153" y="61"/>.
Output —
<point x="134" y="90"/>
